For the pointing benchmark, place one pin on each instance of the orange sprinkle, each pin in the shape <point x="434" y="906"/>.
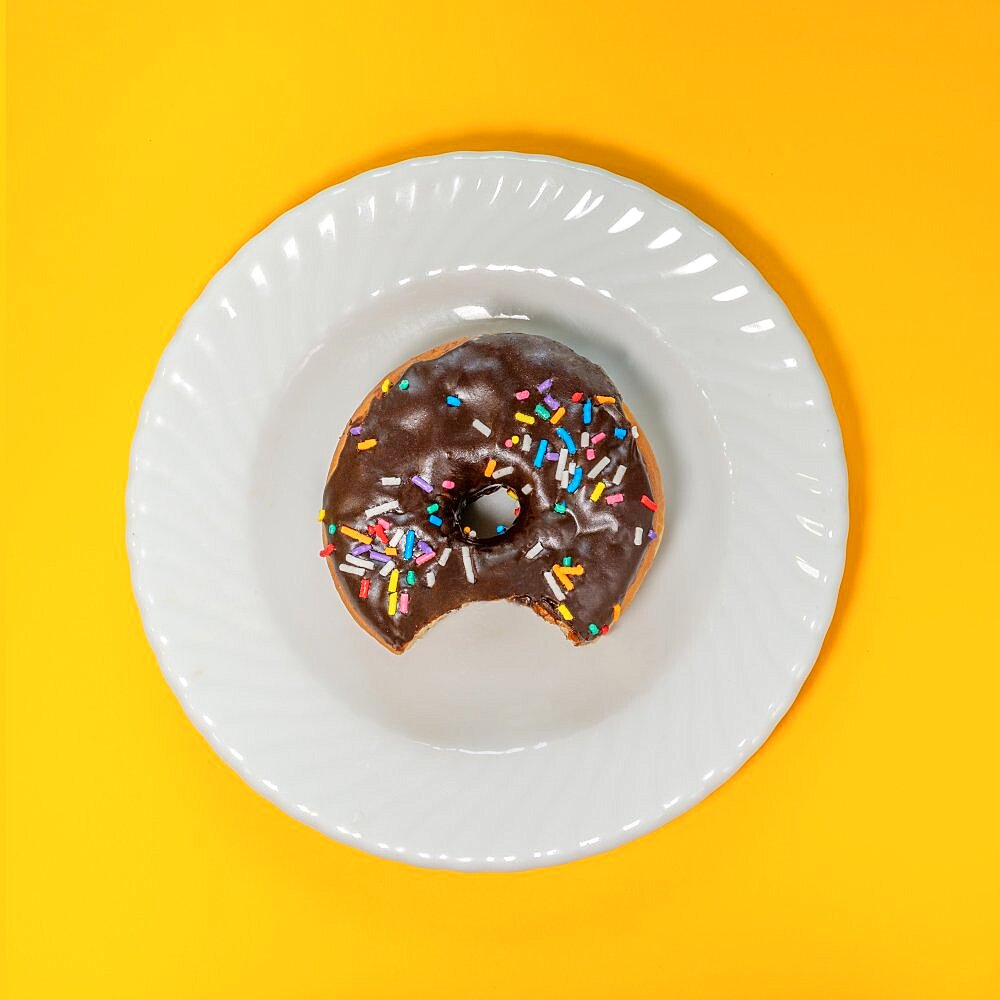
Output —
<point x="391" y="550"/>
<point x="558" y="415"/>
<point x="523" y="418"/>
<point x="365" y="445"/>
<point x="598" y="490"/>
<point x="565" y="612"/>
<point x="604" y="399"/>
<point x="490" y="467"/>
<point x="616" y="612"/>
<point x="563" y="574"/>
<point x="356" y="535"/>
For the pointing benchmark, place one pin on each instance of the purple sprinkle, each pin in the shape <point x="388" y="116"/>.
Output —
<point x="359" y="549"/>
<point x="552" y="404"/>
<point x="356" y="430"/>
<point x="652" y="534"/>
<point x="424" y="547"/>
<point x="422" y="483"/>
<point x="552" y="456"/>
<point x="545" y="386"/>
<point x="379" y="557"/>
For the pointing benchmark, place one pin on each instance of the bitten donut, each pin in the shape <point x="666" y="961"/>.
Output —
<point x="512" y="412"/>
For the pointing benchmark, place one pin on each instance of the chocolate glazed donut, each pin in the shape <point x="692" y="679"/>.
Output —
<point x="509" y="411"/>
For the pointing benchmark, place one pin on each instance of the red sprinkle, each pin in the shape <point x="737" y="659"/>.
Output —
<point x="381" y="535"/>
<point x="576" y="397"/>
<point x="325" y="552"/>
<point x="646" y="502"/>
<point x="366" y="585"/>
<point x="448" y="484"/>
<point x="604" y="628"/>
<point x="371" y="530"/>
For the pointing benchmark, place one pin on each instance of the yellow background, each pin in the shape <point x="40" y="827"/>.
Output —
<point x="851" y="153"/>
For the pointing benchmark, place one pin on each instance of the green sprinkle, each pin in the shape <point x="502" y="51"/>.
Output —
<point x="411" y="577"/>
<point x="593" y="629"/>
<point x="567" y="560"/>
<point x="404" y="384"/>
<point x="560" y="508"/>
<point x="433" y="508"/>
<point x="542" y="412"/>
<point x="332" y="529"/>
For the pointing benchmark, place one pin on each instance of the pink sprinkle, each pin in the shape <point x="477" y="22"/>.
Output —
<point x="598" y="438"/>
<point x="508" y="443"/>
<point x="545" y="386"/>
<point x="404" y="602"/>
<point x="448" y="485"/>
<point x="523" y="394"/>
<point x="617" y="498"/>
<point x="591" y="454"/>
<point x="356" y="430"/>
<point x="422" y="483"/>
<point x="552" y="404"/>
<point x="426" y="557"/>
<point x="385" y="524"/>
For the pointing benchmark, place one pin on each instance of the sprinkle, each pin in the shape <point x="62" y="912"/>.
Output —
<point x="386" y="386"/>
<point x="380" y="532"/>
<point x="635" y="432"/>
<point x="567" y="439"/>
<point x="382" y="508"/>
<point x="616" y="612"/>
<point x="423" y="546"/>
<point x="554" y="587"/>
<point x="387" y="568"/>
<point x="500" y="529"/>
<point x="565" y="612"/>
<point x="422" y="483"/>
<point x="366" y="444"/>
<point x="534" y="552"/>
<point x="363" y="563"/>
<point x="604" y="630"/>
<point x="508" y="443"/>
<point x="526" y="442"/>
<point x="576" y="397"/>
<point x="619" y="474"/>
<point x="599" y="468"/>
<point x="435" y="520"/>
<point x="356" y="430"/>
<point x="404" y="603"/>
<point x="564" y="480"/>
<point x="490" y="466"/>
<point x="505" y="471"/>
<point x="552" y="403"/>
<point x="605" y="399"/>
<point x="559" y="508"/>
<point x="453" y="400"/>
<point x="391" y="480"/>
<point x="408" y="545"/>
<point x="615" y="498"/>
<point x="598" y="438"/>
<point x="384" y="524"/>
<point x="359" y="549"/>
<point x="567" y="561"/>
<point x="326" y="551"/>
<point x="404" y="383"/>
<point x="321" y="516"/>
<point x="574" y="483"/>
<point x="393" y="581"/>
<point x="585" y="439"/>
<point x="482" y="428"/>
<point x="397" y="537"/>
<point x="545" y="386"/>
<point x="526" y="488"/>
<point x="356" y="535"/>
<point x="411" y="578"/>
<point x="621" y="433"/>
<point x="565" y="572"/>
<point x="561" y="467"/>
<point x="522" y="395"/>
<point x="552" y="456"/>
<point x="391" y="550"/>
<point x="588" y="412"/>
<point x="425" y="558"/>
<point x="514" y="439"/>
<point x="651" y="535"/>
<point x="638" y="535"/>
<point x="542" y="411"/>
<point x="591" y="454"/>
<point x="393" y="601"/>
<point x="444" y="557"/>
<point x="540" y="454"/>
<point x="379" y="557"/>
<point x="447" y="484"/>
<point x="430" y="578"/>
<point x="467" y="559"/>
<point x="366" y="586"/>
<point x="524" y="418"/>
<point x="593" y="629"/>
<point x="332" y="529"/>
<point x="596" y="494"/>
<point x="353" y="570"/>
<point x="646" y="502"/>
<point x="433" y="508"/>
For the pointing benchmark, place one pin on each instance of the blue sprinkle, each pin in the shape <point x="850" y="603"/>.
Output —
<point x="567" y="439"/>
<point x="500" y="529"/>
<point x="588" y="412"/>
<point x="408" y="548"/>
<point x="574" y="483"/>
<point x="435" y="520"/>
<point x="621" y="433"/>
<point x="543" y="446"/>
<point x="453" y="401"/>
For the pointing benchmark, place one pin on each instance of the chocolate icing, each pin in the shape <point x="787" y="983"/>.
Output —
<point x="419" y="434"/>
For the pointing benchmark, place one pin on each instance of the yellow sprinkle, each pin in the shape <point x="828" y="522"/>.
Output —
<point x="356" y="535"/>
<point x="604" y="399"/>
<point x="490" y="466"/>
<point x="514" y="439"/>
<point x="391" y="551"/>
<point x="393" y="582"/>
<point x="523" y="418"/>
<point x="365" y="445"/>
<point x="386" y="384"/>
<point x="598" y="490"/>
<point x="616" y="611"/>
<point x="565" y="612"/>
<point x="558" y="415"/>
<point x="321" y="515"/>
<point x="393" y="600"/>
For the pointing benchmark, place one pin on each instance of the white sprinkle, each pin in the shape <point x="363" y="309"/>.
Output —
<point x="382" y="508"/>
<point x="444" y="557"/>
<point x="505" y="471"/>
<point x="564" y="480"/>
<point x="482" y="428"/>
<point x="429" y="579"/>
<point x="387" y="568"/>
<point x="554" y="587"/>
<point x="635" y="432"/>
<point x="396" y="538"/>
<point x="391" y="480"/>
<point x="585" y="439"/>
<point x="526" y="442"/>
<point x="599" y="468"/>
<point x="619" y="474"/>
<point x="467" y="559"/>
<point x="534" y="552"/>
<point x="363" y="563"/>
<point x="571" y="468"/>
<point x="638" y="535"/>
<point x="561" y="464"/>
<point x="354" y="570"/>
<point x="526" y="488"/>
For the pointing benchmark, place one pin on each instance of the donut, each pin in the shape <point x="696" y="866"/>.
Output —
<point x="509" y="419"/>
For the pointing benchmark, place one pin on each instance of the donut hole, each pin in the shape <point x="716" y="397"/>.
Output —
<point x="489" y="513"/>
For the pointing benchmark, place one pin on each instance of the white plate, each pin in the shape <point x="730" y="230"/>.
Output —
<point x="493" y="743"/>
